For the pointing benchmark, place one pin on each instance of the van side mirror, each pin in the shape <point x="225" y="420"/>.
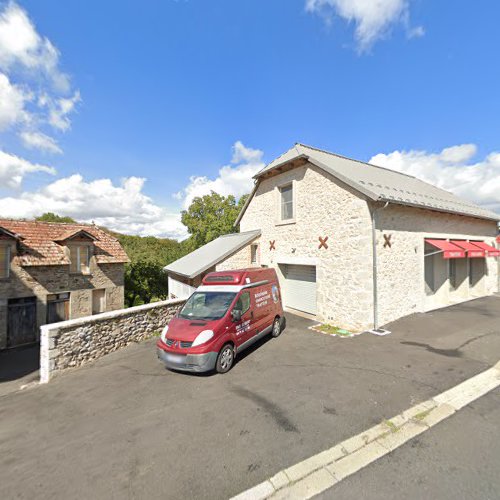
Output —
<point x="236" y="315"/>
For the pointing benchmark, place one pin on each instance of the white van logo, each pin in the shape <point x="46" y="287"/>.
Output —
<point x="243" y="327"/>
<point x="262" y="298"/>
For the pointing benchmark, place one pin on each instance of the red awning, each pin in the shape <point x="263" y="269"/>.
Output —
<point x="490" y="251"/>
<point x="450" y="251"/>
<point x="471" y="249"/>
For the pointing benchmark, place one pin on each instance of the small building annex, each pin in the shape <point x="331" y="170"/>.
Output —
<point x="359" y="245"/>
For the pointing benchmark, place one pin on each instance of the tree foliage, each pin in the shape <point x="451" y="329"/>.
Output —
<point x="145" y="282"/>
<point x="51" y="217"/>
<point x="211" y="216"/>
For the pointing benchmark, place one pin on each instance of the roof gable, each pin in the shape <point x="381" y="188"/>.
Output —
<point x="5" y="233"/>
<point x="79" y="234"/>
<point x="378" y="183"/>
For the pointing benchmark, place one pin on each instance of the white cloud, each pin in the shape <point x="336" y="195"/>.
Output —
<point x="59" y="109"/>
<point x="235" y="179"/>
<point x="452" y="169"/>
<point x="12" y="103"/>
<point x="37" y="140"/>
<point x="13" y="170"/>
<point x="34" y="93"/>
<point x="21" y="46"/>
<point x="373" y="18"/>
<point x="124" y="207"/>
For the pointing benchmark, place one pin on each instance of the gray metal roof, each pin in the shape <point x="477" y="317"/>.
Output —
<point x="212" y="253"/>
<point x="382" y="184"/>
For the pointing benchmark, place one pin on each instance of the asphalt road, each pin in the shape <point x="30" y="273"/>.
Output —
<point x="127" y="428"/>
<point x="458" y="458"/>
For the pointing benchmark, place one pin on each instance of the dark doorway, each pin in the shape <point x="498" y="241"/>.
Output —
<point x="21" y="321"/>
<point x="57" y="307"/>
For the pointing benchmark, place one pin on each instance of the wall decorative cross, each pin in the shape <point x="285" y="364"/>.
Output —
<point x="271" y="245"/>
<point x="322" y="242"/>
<point x="387" y="242"/>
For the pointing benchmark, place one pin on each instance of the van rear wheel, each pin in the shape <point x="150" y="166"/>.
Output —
<point x="276" y="327"/>
<point x="225" y="359"/>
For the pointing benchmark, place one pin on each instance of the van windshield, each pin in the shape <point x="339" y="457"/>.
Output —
<point x="207" y="305"/>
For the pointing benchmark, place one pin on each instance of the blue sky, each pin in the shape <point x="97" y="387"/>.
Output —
<point x="139" y="106"/>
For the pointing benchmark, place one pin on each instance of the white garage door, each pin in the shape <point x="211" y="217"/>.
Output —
<point x="300" y="287"/>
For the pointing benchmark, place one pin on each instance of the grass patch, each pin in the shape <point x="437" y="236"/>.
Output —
<point x="334" y="330"/>
<point x="420" y="416"/>
<point x="392" y="426"/>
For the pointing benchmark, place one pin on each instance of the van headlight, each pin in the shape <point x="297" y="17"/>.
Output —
<point x="203" y="337"/>
<point x="163" y="335"/>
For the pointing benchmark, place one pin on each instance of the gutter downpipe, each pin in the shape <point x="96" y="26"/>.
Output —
<point x="375" y="266"/>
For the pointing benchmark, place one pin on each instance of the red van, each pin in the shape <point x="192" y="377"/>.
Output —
<point x="230" y="311"/>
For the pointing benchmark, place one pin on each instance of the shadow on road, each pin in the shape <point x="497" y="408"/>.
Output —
<point x="19" y="362"/>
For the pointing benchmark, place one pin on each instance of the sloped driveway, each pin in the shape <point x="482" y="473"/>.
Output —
<point x="127" y="428"/>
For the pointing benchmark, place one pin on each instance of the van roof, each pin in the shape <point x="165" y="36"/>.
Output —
<point x="238" y="276"/>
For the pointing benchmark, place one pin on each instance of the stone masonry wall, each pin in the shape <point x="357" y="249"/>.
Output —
<point x="324" y="207"/>
<point x="401" y="286"/>
<point x="240" y="259"/>
<point x="76" y="342"/>
<point x="40" y="281"/>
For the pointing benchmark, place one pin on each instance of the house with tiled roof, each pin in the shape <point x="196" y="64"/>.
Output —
<point x="52" y="272"/>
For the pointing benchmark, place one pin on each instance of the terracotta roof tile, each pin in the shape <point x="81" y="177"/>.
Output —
<point x="39" y="246"/>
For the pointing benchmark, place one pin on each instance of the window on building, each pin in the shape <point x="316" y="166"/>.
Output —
<point x="430" y="288"/>
<point x="477" y="269"/>
<point x="98" y="301"/>
<point x="57" y="307"/>
<point x="452" y="273"/>
<point x="253" y="253"/>
<point x="79" y="256"/>
<point x="287" y="209"/>
<point x="4" y="261"/>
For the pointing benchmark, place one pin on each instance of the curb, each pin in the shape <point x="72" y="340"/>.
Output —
<point x="322" y="471"/>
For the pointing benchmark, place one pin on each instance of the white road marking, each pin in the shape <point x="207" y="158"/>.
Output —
<point x="322" y="471"/>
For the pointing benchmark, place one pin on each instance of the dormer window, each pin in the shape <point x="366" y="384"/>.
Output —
<point x="79" y="256"/>
<point x="79" y="244"/>
<point x="4" y="261"/>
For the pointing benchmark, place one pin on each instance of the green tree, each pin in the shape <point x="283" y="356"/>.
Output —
<point x="209" y="217"/>
<point x="145" y="282"/>
<point x="51" y="217"/>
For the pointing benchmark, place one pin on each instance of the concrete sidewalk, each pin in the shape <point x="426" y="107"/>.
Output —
<point x="125" y="427"/>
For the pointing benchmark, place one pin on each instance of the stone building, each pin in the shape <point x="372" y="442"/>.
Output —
<point x="358" y="245"/>
<point x="53" y="272"/>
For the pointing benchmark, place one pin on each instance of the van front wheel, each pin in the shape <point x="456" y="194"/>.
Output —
<point x="276" y="327"/>
<point x="225" y="359"/>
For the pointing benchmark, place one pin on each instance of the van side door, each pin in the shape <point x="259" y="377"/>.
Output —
<point x="263" y="308"/>
<point x="244" y="329"/>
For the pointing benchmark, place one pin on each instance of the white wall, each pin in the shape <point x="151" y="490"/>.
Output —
<point x="178" y="289"/>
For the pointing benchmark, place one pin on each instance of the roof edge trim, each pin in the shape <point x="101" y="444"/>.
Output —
<point x="255" y="234"/>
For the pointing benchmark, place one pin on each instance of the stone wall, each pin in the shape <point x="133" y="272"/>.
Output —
<point x="324" y="207"/>
<point x="76" y="342"/>
<point x="240" y="259"/>
<point x="401" y="286"/>
<point x="40" y="281"/>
